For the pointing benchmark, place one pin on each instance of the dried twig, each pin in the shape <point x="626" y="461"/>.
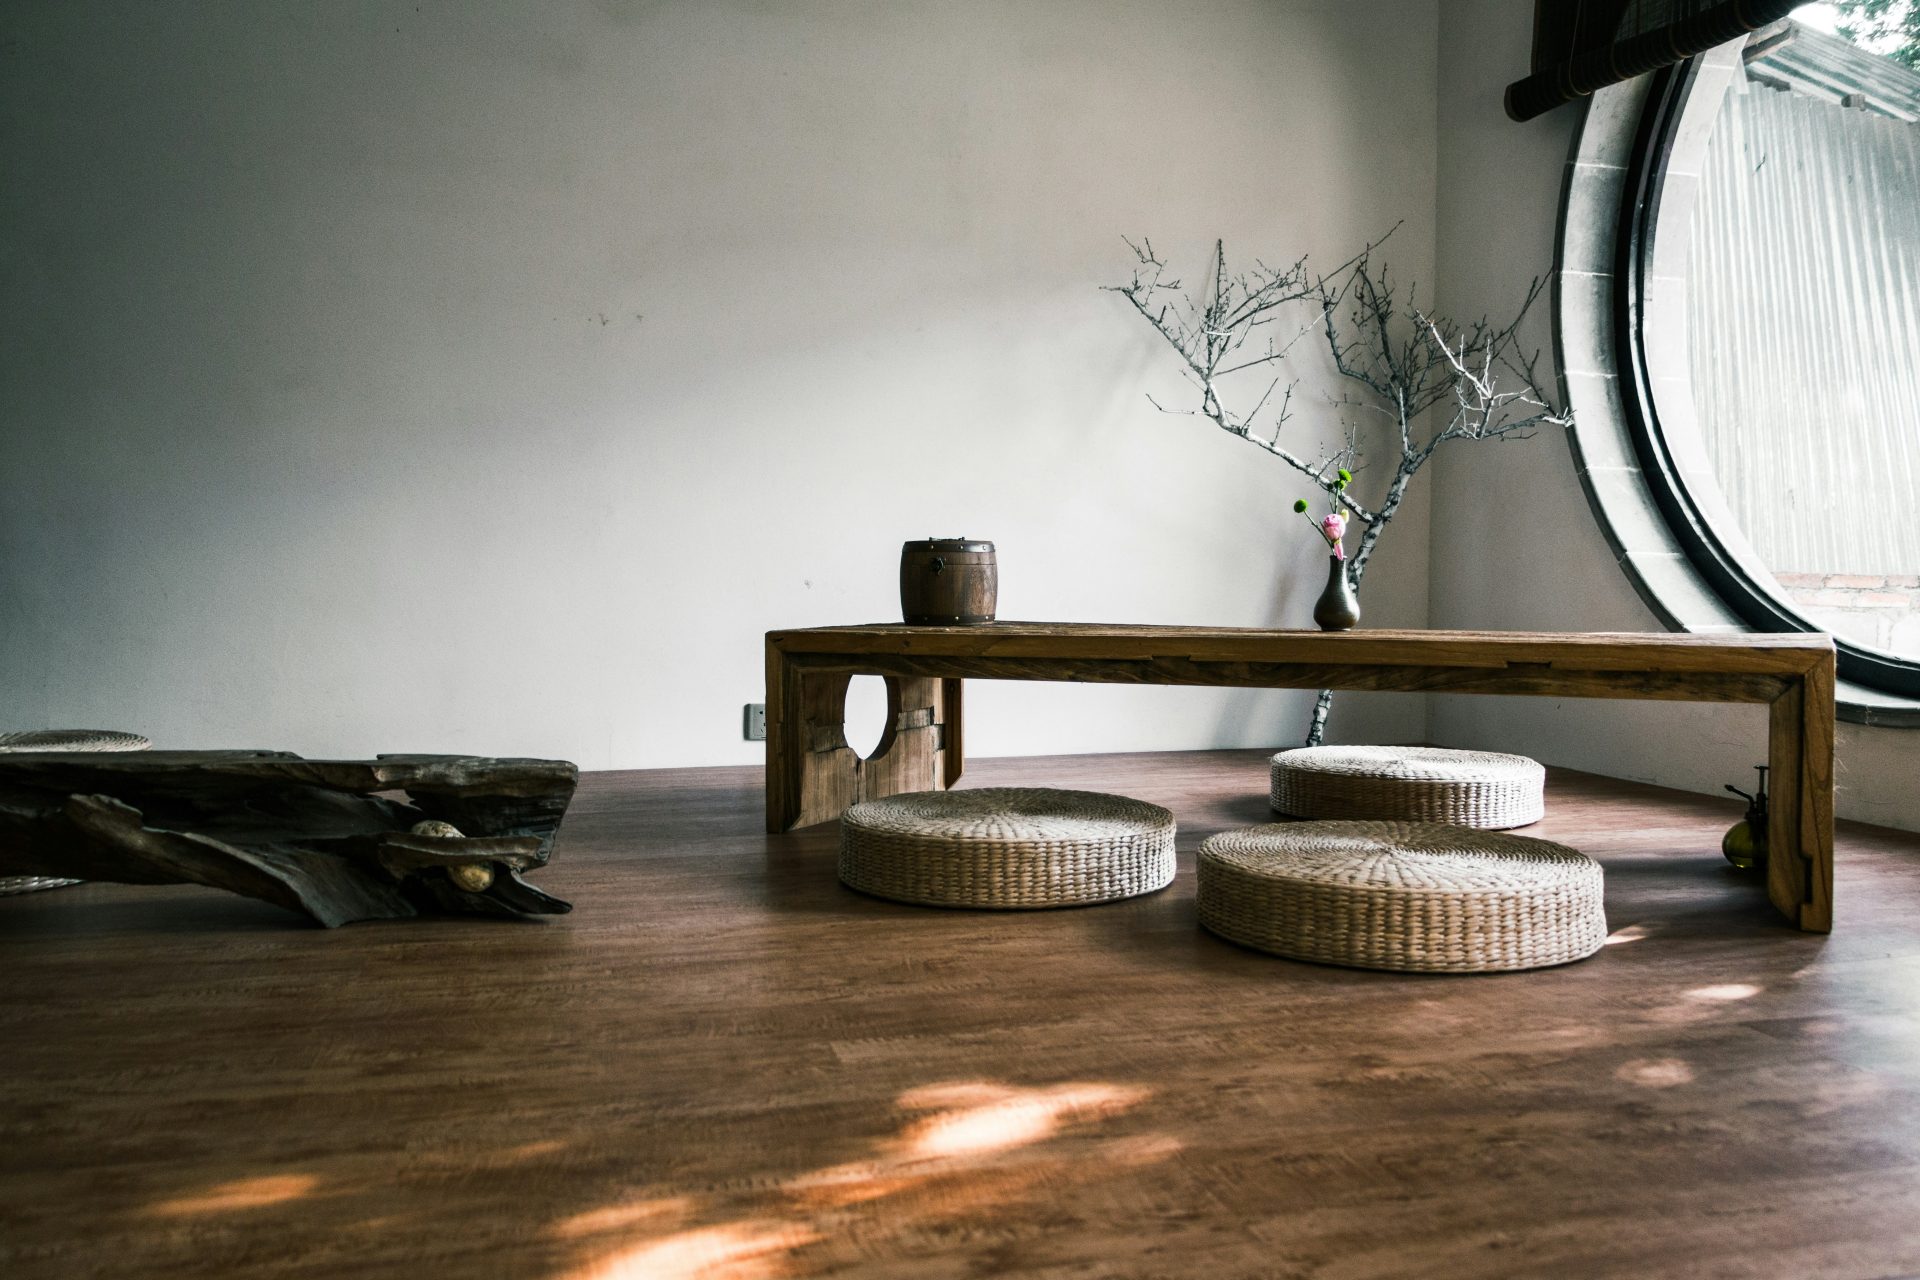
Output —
<point x="1433" y="380"/>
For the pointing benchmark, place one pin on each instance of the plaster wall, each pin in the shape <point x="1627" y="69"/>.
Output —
<point x="1515" y="546"/>
<point x="489" y="376"/>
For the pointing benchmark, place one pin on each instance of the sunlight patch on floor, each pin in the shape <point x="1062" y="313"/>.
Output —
<point x="1655" y="1073"/>
<point x="529" y="1150"/>
<point x="1630" y="933"/>
<point x="975" y="1150"/>
<point x="616" y="1217"/>
<point x="245" y="1193"/>
<point x="1725" y="991"/>
<point x="1022" y="1117"/>
<point x="730" y="1251"/>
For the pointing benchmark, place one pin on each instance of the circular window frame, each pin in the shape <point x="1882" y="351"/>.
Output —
<point x="1636" y="152"/>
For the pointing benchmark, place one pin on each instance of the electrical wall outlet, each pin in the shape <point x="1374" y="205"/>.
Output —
<point x="756" y="722"/>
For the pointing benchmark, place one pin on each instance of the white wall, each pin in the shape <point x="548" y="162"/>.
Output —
<point x="1514" y="544"/>
<point x="489" y="376"/>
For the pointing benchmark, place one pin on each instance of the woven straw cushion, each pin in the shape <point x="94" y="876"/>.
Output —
<point x="61" y="740"/>
<point x="1402" y="895"/>
<point x="1417" y="784"/>
<point x="1006" y="847"/>
<point x="72" y="740"/>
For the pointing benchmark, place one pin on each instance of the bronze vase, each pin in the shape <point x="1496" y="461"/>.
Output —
<point x="1337" y="608"/>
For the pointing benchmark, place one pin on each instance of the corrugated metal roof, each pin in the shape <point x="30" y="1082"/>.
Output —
<point x="1814" y="64"/>
<point x="1804" y="326"/>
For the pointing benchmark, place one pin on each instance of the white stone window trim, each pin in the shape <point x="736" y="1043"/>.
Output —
<point x="1602" y="443"/>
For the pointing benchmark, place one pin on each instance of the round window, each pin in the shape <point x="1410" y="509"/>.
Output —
<point x="1768" y="304"/>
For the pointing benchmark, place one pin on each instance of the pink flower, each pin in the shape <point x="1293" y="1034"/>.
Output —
<point x="1333" y="528"/>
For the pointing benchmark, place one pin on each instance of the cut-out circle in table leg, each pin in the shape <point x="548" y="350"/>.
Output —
<point x="867" y="715"/>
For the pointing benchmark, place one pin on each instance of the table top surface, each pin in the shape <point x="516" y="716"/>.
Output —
<point x="1774" y="652"/>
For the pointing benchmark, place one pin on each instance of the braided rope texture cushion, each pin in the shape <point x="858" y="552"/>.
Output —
<point x="1006" y="848"/>
<point x="1415" y="896"/>
<point x="1416" y="784"/>
<point x="73" y="740"/>
<point x="61" y="740"/>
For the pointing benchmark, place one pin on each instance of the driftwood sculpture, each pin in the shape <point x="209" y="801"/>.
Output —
<point x="332" y="839"/>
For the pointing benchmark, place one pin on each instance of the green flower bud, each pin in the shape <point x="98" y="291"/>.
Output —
<point x="1301" y="505"/>
<point x="1345" y="475"/>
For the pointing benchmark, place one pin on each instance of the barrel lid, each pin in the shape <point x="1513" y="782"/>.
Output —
<point x="950" y="544"/>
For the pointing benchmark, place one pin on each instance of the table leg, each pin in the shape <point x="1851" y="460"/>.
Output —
<point x="1800" y="824"/>
<point x="783" y="757"/>
<point x="811" y="771"/>
<point x="915" y="753"/>
<point x="953" y="753"/>
<point x="813" y="775"/>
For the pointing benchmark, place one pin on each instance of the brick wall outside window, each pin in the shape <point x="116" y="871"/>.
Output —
<point x="1881" y="610"/>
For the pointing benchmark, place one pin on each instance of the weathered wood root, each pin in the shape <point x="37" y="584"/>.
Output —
<point x="330" y="839"/>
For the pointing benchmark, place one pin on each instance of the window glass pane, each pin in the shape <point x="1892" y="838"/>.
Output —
<point x="1802" y="324"/>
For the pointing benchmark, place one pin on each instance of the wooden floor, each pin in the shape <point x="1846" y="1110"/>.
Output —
<point x="724" y="1065"/>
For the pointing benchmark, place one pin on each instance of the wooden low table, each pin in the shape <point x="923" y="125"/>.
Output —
<point x="812" y="775"/>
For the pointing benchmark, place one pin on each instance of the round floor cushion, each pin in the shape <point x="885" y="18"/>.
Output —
<point x="1416" y="784"/>
<point x="1006" y="847"/>
<point x="72" y="740"/>
<point x="1417" y="896"/>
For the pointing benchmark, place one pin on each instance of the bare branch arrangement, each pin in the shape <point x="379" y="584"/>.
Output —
<point x="1423" y="378"/>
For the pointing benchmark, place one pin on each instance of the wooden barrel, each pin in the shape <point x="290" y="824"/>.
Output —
<point x="947" y="581"/>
